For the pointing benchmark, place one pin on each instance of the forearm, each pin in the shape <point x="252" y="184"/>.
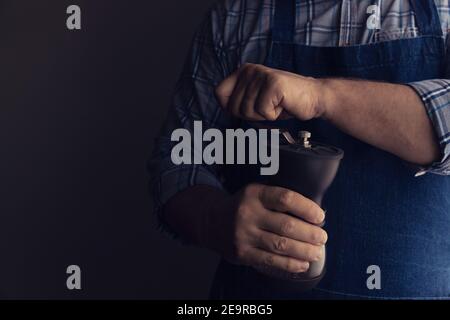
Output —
<point x="193" y="214"/>
<point x="388" y="116"/>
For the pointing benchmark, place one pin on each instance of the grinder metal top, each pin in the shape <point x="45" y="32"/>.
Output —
<point x="304" y="146"/>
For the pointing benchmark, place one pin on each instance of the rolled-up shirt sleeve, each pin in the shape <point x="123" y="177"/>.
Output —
<point x="194" y="100"/>
<point x="435" y="95"/>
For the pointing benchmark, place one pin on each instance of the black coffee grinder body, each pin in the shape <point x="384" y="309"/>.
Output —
<point x="308" y="168"/>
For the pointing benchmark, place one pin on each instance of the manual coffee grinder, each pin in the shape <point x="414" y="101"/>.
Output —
<point x="309" y="168"/>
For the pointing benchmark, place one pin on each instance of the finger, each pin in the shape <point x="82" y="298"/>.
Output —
<point x="285" y="200"/>
<point x="288" y="247"/>
<point x="266" y="260"/>
<point x="247" y="107"/>
<point x="268" y="103"/>
<point x="225" y="89"/>
<point x="234" y="102"/>
<point x="286" y="226"/>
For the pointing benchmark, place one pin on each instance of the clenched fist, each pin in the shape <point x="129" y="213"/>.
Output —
<point x="255" y="92"/>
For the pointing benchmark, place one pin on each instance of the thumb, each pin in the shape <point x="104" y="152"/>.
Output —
<point x="225" y="89"/>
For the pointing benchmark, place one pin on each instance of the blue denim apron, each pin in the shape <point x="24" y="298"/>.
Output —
<point x="378" y="213"/>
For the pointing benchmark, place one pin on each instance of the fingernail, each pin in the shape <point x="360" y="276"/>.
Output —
<point x="324" y="239"/>
<point x="305" y="266"/>
<point x="320" y="217"/>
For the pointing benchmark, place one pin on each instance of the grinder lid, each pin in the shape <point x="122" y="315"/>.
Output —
<point x="303" y="146"/>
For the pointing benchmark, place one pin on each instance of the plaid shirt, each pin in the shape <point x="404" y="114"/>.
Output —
<point x="237" y="31"/>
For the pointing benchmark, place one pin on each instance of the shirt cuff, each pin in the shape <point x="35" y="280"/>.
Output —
<point x="435" y="94"/>
<point x="173" y="181"/>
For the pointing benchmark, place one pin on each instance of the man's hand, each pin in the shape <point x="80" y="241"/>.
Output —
<point x="254" y="229"/>
<point x="388" y="116"/>
<point x="255" y="92"/>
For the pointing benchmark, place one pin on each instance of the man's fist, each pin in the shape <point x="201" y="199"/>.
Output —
<point x="255" y="92"/>
<point x="271" y="227"/>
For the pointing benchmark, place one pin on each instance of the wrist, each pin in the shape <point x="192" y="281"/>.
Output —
<point x="327" y="98"/>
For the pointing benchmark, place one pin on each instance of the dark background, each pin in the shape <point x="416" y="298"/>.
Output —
<point x="78" y="114"/>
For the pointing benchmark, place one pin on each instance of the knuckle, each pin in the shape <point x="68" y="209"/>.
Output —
<point x="269" y="261"/>
<point x="250" y="190"/>
<point x="243" y="211"/>
<point x="280" y="244"/>
<point x="272" y="78"/>
<point x="289" y="265"/>
<point x="286" y="198"/>
<point x="287" y="227"/>
<point x="276" y="82"/>
<point x="293" y="266"/>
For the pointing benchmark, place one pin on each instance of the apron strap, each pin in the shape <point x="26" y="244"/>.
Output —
<point x="284" y="21"/>
<point x="427" y="17"/>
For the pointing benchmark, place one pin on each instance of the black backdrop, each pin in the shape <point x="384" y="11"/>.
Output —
<point x="78" y="114"/>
